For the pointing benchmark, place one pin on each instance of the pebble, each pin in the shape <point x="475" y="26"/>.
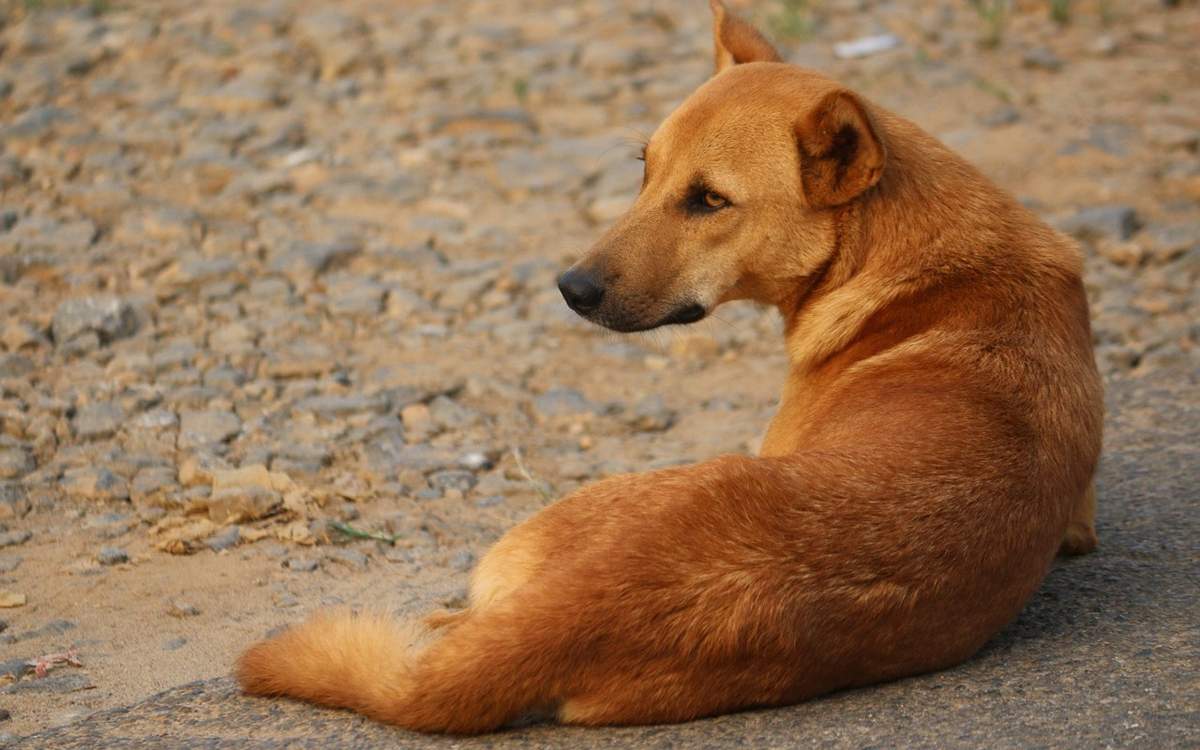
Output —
<point x="99" y="420"/>
<point x="112" y="556"/>
<point x="351" y="558"/>
<point x="205" y="429"/>
<point x="182" y="608"/>
<point x="560" y="401"/>
<point x="94" y="483"/>
<point x="301" y="564"/>
<point x="174" y="644"/>
<point x="110" y="318"/>
<point x="14" y="538"/>
<point x="1042" y="58"/>
<point x="16" y="462"/>
<point x="224" y="540"/>
<point x="1115" y="221"/>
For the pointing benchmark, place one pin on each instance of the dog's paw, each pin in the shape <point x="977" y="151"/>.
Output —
<point x="1079" y="540"/>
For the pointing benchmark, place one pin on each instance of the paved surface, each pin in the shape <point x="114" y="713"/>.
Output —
<point x="1106" y="655"/>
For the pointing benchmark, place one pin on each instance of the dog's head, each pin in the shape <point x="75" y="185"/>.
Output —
<point x="739" y="194"/>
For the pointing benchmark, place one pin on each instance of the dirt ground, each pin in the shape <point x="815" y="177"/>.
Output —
<point x="272" y="272"/>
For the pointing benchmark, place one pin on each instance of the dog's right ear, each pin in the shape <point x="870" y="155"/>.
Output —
<point x="736" y="42"/>
<point x="841" y="153"/>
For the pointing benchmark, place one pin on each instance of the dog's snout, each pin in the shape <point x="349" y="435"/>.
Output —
<point x="581" y="290"/>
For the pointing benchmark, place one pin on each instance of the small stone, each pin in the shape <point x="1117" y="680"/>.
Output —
<point x="109" y="318"/>
<point x="652" y="415"/>
<point x="12" y="599"/>
<point x="200" y="468"/>
<point x="1003" y="115"/>
<point x="181" y="609"/>
<point x="224" y="540"/>
<point x="174" y="644"/>
<point x="13" y="538"/>
<point x="301" y="564"/>
<point x="15" y="365"/>
<point x="316" y="257"/>
<point x="349" y="557"/>
<point x="198" y="429"/>
<point x="462" y="560"/>
<point x="14" y="500"/>
<point x="16" y="462"/>
<point x="1042" y="58"/>
<point x="1116" y="221"/>
<point x="57" y="682"/>
<point x="452" y="479"/>
<point x="558" y="402"/>
<point x="236" y="504"/>
<point x="112" y="556"/>
<point x="95" y="483"/>
<point x="9" y="564"/>
<point x="152" y="484"/>
<point x="99" y="420"/>
<point x="475" y="461"/>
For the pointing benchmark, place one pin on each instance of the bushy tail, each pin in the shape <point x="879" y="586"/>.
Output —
<point x="463" y="679"/>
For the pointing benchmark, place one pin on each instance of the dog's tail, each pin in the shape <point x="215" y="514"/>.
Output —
<point x="463" y="679"/>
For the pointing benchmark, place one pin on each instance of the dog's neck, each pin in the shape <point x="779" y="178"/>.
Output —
<point x="894" y="243"/>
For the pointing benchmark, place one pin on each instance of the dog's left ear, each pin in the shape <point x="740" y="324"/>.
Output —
<point x="841" y="154"/>
<point x="736" y="42"/>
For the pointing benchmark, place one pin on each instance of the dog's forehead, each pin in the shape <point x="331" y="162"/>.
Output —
<point x="748" y="102"/>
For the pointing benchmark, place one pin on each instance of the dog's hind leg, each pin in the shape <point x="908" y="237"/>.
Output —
<point x="1081" y="530"/>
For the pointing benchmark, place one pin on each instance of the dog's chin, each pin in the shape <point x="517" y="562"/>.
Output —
<point x="682" y="315"/>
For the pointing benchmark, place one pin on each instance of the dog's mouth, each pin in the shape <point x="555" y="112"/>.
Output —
<point x="682" y="315"/>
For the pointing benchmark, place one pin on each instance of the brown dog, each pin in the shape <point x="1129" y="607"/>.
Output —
<point x="933" y="450"/>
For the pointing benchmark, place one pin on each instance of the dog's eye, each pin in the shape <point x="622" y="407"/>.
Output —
<point x="704" y="201"/>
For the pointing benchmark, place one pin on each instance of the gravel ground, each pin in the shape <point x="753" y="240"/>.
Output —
<point x="270" y="268"/>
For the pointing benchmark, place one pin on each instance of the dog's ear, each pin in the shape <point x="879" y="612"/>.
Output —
<point x="841" y="154"/>
<point x="736" y="42"/>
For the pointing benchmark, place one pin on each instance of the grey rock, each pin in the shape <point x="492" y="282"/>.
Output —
<point x="174" y="644"/>
<point x="16" y="462"/>
<point x="390" y="454"/>
<point x="301" y="564"/>
<point x="9" y="564"/>
<point x="55" y="682"/>
<point x="452" y="479"/>
<point x="112" y="556"/>
<point x="95" y="483"/>
<point x="15" y="365"/>
<point x="558" y="402"/>
<point x="99" y="420"/>
<point x="199" y="429"/>
<point x="110" y="318"/>
<point x="153" y="482"/>
<point x="36" y="122"/>
<point x="13" y="538"/>
<point x="1000" y="116"/>
<point x="181" y="609"/>
<point x="1113" y="221"/>
<point x="341" y="406"/>
<point x="652" y="415"/>
<point x="1042" y="58"/>
<point x="316" y="257"/>
<point x="52" y="629"/>
<point x="226" y="539"/>
<point x="14" y="500"/>
<point x="349" y="557"/>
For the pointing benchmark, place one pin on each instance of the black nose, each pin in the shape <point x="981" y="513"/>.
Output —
<point x="581" y="290"/>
